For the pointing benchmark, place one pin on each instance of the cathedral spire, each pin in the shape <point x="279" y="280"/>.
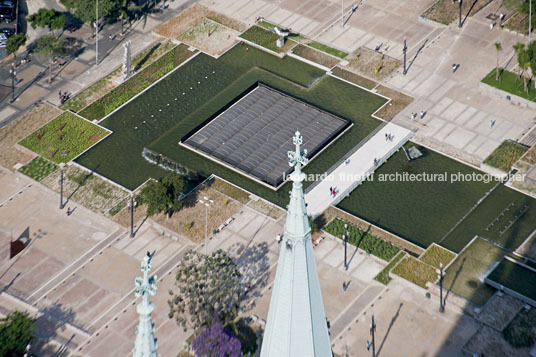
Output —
<point x="145" y="344"/>
<point x="296" y="323"/>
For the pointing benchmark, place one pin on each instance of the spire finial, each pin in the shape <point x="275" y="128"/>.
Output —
<point x="297" y="158"/>
<point x="145" y="344"/>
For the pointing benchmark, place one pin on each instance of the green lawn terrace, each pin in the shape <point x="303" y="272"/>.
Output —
<point x="181" y="102"/>
<point x="444" y="212"/>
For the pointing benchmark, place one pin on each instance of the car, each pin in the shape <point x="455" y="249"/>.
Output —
<point x="6" y="14"/>
<point x="7" y="31"/>
<point x="7" y="4"/>
<point x="3" y="40"/>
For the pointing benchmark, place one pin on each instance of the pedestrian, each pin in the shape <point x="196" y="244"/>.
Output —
<point x="412" y="116"/>
<point x="110" y="37"/>
<point x="386" y="136"/>
<point x="136" y="16"/>
<point x="278" y="238"/>
<point x="331" y="191"/>
<point x="59" y="94"/>
<point x="422" y="114"/>
<point x="491" y="123"/>
<point x="344" y="286"/>
<point x="368" y="345"/>
<point x="375" y="162"/>
<point x="491" y="25"/>
<point x="454" y="67"/>
<point x="68" y="211"/>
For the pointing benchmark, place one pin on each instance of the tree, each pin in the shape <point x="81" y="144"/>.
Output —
<point x="125" y="9"/>
<point x="498" y="48"/>
<point x="86" y="10"/>
<point x="208" y="289"/>
<point x="518" y="49"/>
<point x="163" y="195"/>
<point x="523" y="60"/>
<point x="51" y="19"/>
<point x="50" y="46"/>
<point x="214" y="341"/>
<point x="15" y="42"/>
<point x="16" y="331"/>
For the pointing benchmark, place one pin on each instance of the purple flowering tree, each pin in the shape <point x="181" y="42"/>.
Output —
<point x="214" y="341"/>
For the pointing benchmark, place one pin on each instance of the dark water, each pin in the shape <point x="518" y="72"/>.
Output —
<point x="190" y="95"/>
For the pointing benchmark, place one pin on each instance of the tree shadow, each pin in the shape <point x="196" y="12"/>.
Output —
<point x="52" y="320"/>
<point x="391" y="324"/>
<point x="252" y="262"/>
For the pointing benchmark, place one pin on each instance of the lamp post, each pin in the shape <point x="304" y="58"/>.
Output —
<point x="405" y="49"/>
<point x="530" y="22"/>
<point x="62" y="165"/>
<point x="372" y="330"/>
<point x="441" y="306"/>
<point x="97" y="35"/>
<point x="13" y="75"/>
<point x="207" y="204"/>
<point x="345" y="246"/>
<point x="132" y="215"/>
<point x="460" y="8"/>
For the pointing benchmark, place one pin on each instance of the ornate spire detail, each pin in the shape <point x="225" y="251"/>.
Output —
<point x="145" y="344"/>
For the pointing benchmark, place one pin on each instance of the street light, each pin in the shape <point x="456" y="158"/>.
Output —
<point x="132" y="215"/>
<point x="372" y="330"/>
<point x="207" y="204"/>
<point x="405" y="49"/>
<point x="97" y="35"/>
<point x="13" y="75"/>
<point x="460" y="6"/>
<point x="345" y="244"/>
<point x="441" y="306"/>
<point x="62" y="165"/>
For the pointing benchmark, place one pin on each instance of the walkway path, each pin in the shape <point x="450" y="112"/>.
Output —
<point x="351" y="173"/>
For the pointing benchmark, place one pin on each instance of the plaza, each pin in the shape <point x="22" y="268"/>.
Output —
<point x="220" y="110"/>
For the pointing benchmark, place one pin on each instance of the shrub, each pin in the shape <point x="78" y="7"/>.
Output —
<point x="435" y="255"/>
<point x="63" y="138"/>
<point x="383" y="276"/>
<point x="415" y="271"/>
<point x="38" y="168"/>
<point x="506" y="155"/>
<point x="366" y="241"/>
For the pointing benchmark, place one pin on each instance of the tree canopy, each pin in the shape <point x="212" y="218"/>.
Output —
<point x="86" y="10"/>
<point x="50" y="19"/>
<point x="50" y="46"/>
<point x="163" y="195"/>
<point x="15" y="42"/>
<point x="208" y="289"/>
<point x="214" y="341"/>
<point x="16" y="331"/>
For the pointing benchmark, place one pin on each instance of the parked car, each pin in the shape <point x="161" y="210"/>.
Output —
<point x="7" y="4"/>
<point x="9" y="32"/>
<point x="7" y="14"/>
<point x="3" y="40"/>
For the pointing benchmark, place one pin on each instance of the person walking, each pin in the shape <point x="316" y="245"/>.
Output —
<point x="422" y="114"/>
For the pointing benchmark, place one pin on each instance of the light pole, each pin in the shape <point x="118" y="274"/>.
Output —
<point x="132" y="215"/>
<point x="207" y="204"/>
<point x="441" y="307"/>
<point x="97" y="35"/>
<point x="460" y="20"/>
<point x="13" y="75"/>
<point x="405" y="49"/>
<point x="62" y="165"/>
<point x="372" y="330"/>
<point x="345" y="244"/>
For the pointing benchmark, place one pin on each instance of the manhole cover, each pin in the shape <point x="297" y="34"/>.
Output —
<point x="472" y="284"/>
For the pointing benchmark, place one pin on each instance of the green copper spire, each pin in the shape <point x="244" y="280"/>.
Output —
<point x="145" y="344"/>
<point x="296" y="323"/>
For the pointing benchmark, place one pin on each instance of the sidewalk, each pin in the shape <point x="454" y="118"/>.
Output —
<point x="80" y="71"/>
